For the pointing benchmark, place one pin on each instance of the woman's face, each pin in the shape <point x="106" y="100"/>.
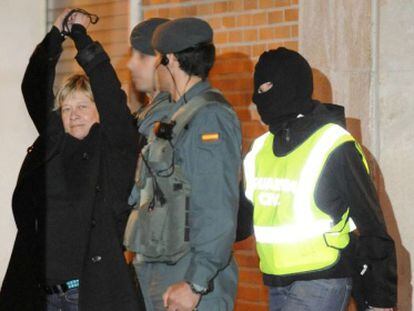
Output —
<point x="78" y="114"/>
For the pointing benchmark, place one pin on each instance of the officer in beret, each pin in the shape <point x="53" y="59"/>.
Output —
<point x="142" y="68"/>
<point x="142" y="65"/>
<point x="188" y="177"/>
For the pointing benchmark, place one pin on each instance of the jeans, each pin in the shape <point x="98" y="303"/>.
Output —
<point x="63" y="302"/>
<point x="155" y="278"/>
<point x="314" y="295"/>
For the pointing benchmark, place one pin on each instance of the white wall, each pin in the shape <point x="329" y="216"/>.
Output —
<point x="365" y="50"/>
<point x="22" y="26"/>
<point x="396" y="131"/>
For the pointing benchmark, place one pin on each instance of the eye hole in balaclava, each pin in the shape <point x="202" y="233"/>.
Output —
<point x="264" y="87"/>
<point x="283" y="86"/>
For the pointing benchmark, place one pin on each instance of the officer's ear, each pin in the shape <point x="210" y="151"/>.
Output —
<point x="164" y="60"/>
<point x="171" y="60"/>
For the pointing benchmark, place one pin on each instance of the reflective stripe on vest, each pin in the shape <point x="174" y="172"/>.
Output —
<point x="287" y="221"/>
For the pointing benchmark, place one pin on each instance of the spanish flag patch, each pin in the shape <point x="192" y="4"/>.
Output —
<point x="210" y="137"/>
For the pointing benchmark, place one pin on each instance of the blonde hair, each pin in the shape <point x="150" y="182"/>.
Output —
<point x="74" y="83"/>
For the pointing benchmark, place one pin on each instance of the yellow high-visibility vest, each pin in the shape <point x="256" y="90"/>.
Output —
<point x="292" y="234"/>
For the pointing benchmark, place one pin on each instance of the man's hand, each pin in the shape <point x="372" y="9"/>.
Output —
<point x="59" y="20"/>
<point x="180" y="297"/>
<point x="380" y="309"/>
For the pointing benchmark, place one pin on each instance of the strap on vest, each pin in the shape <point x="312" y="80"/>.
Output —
<point x="152" y="108"/>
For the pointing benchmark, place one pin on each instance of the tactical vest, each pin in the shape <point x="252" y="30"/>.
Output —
<point x="292" y="234"/>
<point x="158" y="228"/>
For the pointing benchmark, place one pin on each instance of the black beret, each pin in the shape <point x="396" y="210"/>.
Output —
<point x="180" y="34"/>
<point x="142" y="33"/>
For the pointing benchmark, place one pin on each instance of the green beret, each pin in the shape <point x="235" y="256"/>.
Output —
<point x="142" y="33"/>
<point x="180" y="34"/>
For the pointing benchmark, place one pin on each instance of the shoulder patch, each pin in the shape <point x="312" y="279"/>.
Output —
<point x="210" y="137"/>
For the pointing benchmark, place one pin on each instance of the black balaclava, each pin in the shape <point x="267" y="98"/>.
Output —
<point x="292" y="89"/>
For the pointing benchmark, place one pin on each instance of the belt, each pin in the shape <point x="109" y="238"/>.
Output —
<point x="61" y="288"/>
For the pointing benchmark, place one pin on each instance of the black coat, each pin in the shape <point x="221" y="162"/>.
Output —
<point x="100" y="171"/>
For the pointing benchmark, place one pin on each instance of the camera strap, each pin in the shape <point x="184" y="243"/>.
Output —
<point x="93" y="18"/>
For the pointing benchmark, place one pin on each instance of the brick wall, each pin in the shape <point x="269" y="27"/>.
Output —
<point x="112" y="31"/>
<point x="243" y="29"/>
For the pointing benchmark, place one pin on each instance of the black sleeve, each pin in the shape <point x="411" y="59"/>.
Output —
<point x="244" y="216"/>
<point x="37" y="85"/>
<point x="345" y="182"/>
<point x="115" y="117"/>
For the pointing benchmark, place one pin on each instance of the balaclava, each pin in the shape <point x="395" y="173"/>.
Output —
<point x="292" y="89"/>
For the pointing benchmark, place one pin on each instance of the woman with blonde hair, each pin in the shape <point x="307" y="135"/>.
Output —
<point x="70" y="202"/>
